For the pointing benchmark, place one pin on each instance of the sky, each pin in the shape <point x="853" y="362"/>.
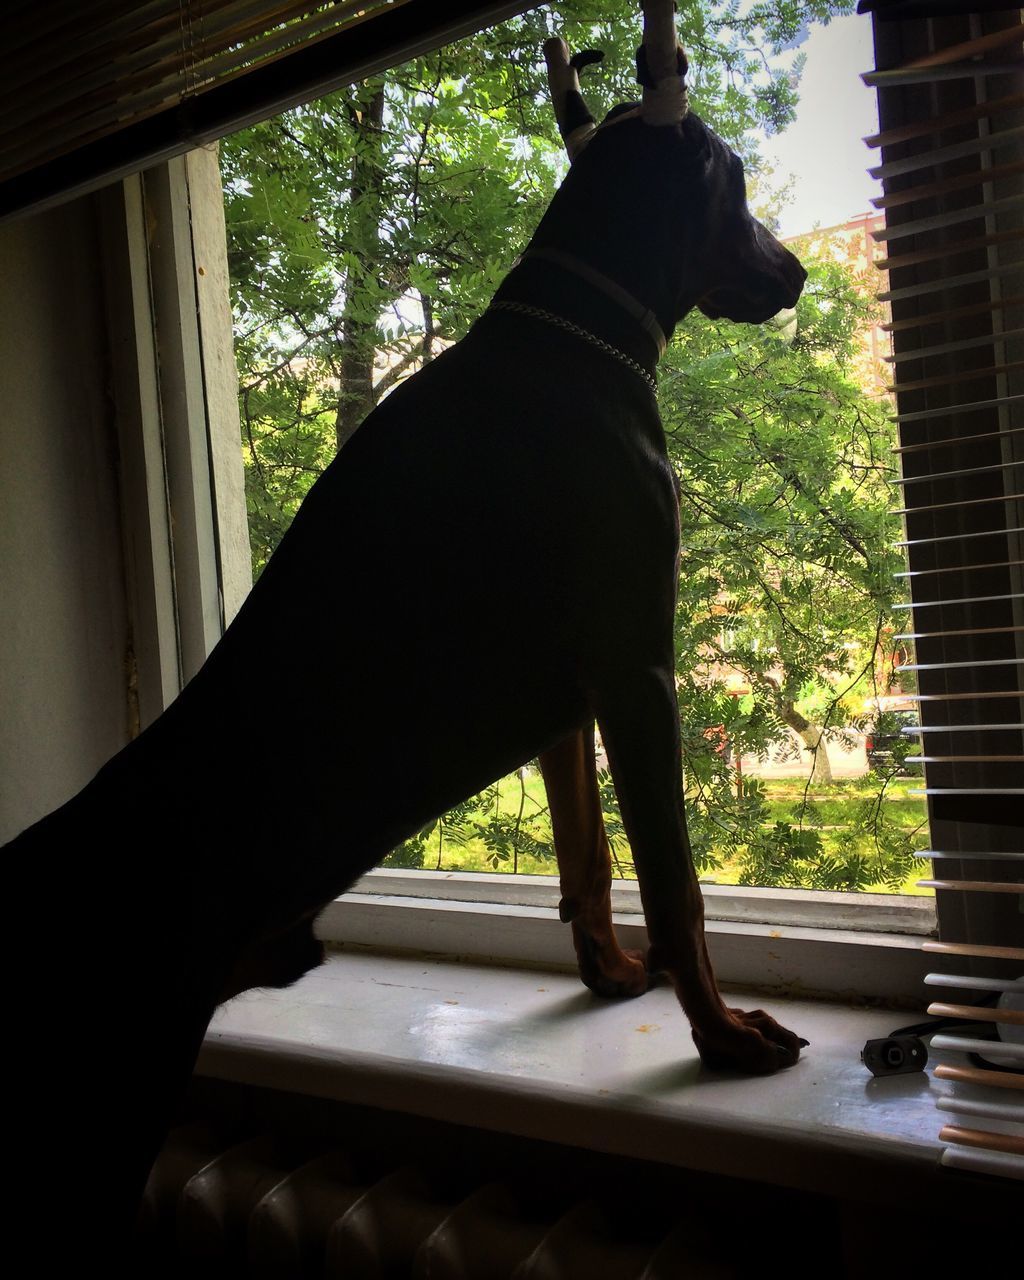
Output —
<point x="823" y="147"/>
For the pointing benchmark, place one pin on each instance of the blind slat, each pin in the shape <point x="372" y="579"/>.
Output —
<point x="970" y="983"/>
<point x="990" y="1108"/>
<point x="962" y="471"/>
<point x="936" y="123"/>
<point x="957" y="410"/>
<point x="991" y="855"/>
<point x="946" y="442"/>
<point x="960" y="728"/>
<point x="955" y="666"/>
<point x="1005" y="759"/>
<point x="975" y="949"/>
<point x="948" y="218"/>
<point x="961" y="375"/>
<point x="973" y="886"/>
<point x="87" y="38"/>
<point x="110" y="88"/>
<point x="983" y="1138"/>
<point x="55" y="23"/>
<point x="899" y="77"/>
<point x="946" y="250"/>
<point x="956" y="151"/>
<point x="975" y="1075"/>
<point x="977" y="178"/>
<point x="1005" y="1053"/>
<point x="989" y="306"/>
<point x="973" y="1014"/>
<point x="967" y="48"/>
<point x="968" y="631"/>
<point x="957" y="568"/>
<point x="161" y="72"/>
<point x="935" y="604"/>
<point x="964" y="344"/>
<point x="959" y="537"/>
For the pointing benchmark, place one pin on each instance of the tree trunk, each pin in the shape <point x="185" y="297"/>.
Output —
<point x="812" y="737"/>
<point x="356" y="396"/>
<point x="429" y="331"/>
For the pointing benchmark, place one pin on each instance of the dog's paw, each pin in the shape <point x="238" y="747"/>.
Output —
<point x="609" y="971"/>
<point x="753" y="1043"/>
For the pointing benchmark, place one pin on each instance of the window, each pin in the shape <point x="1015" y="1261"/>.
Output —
<point x="189" y="574"/>
<point x="367" y="231"/>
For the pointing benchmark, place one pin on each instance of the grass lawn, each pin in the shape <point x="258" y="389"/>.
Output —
<point x="829" y="809"/>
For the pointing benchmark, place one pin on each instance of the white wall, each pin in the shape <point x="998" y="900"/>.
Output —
<point x="63" y="632"/>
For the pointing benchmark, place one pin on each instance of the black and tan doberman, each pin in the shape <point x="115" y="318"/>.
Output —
<point x="375" y="677"/>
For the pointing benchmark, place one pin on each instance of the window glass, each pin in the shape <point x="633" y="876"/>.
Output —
<point x="369" y="229"/>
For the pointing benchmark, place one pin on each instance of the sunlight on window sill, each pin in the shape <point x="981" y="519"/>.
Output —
<point x="534" y="1053"/>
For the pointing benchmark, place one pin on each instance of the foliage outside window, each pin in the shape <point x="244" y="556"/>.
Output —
<point x="368" y="230"/>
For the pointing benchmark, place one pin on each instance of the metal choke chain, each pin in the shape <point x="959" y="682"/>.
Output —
<point x="539" y="314"/>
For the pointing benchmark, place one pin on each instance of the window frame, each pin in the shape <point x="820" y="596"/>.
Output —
<point x="178" y="420"/>
<point x="179" y="433"/>
<point x="174" y="384"/>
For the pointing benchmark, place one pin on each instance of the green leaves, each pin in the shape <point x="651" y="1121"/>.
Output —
<point x="786" y="575"/>
<point x="370" y="228"/>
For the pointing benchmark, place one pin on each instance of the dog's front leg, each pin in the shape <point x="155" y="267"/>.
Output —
<point x="639" y="723"/>
<point x="585" y="868"/>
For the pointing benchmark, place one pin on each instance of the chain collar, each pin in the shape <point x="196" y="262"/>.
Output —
<point x="644" y="316"/>
<point x="538" y="313"/>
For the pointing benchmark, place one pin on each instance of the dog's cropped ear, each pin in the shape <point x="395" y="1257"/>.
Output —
<point x="661" y="66"/>
<point x="575" y="123"/>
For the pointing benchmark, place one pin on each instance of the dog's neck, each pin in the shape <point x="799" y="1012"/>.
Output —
<point x="564" y="287"/>
<point x="639" y="231"/>
<point x="644" y="317"/>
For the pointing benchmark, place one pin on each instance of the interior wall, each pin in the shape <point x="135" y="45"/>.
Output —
<point x="63" y="628"/>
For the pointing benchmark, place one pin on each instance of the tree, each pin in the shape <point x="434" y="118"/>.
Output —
<point x="787" y="566"/>
<point x="369" y="228"/>
<point x="367" y="225"/>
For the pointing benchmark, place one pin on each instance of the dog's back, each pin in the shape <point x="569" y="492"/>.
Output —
<point x="381" y="659"/>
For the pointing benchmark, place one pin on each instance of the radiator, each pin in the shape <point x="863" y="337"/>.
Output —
<point x="285" y="1208"/>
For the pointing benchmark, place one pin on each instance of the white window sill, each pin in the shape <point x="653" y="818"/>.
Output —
<point x="806" y="908"/>
<point x="785" y="958"/>
<point x="532" y="1053"/>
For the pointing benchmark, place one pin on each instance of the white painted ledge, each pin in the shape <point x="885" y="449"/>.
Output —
<point x="783" y="959"/>
<point x="807" y="908"/>
<point x="534" y="1054"/>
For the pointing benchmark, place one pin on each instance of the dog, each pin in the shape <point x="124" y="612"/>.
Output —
<point x="373" y="678"/>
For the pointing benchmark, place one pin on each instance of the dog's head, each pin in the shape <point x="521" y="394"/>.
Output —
<point x="735" y="268"/>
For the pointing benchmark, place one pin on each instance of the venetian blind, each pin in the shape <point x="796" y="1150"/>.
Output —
<point x="94" y="89"/>
<point x="951" y="110"/>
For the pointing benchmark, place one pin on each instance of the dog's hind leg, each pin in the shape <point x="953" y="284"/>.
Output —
<point x="584" y="867"/>
<point x="275" y="961"/>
